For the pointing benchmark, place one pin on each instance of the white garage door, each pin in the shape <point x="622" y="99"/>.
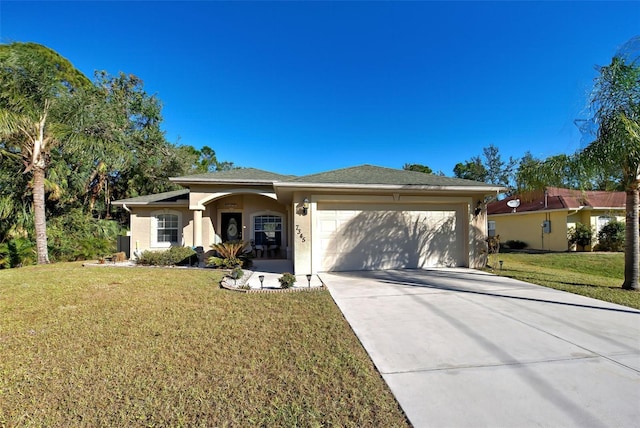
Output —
<point x="370" y="239"/>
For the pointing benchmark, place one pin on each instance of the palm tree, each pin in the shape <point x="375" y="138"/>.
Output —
<point x="37" y="113"/>
<point x="616" y="104"/>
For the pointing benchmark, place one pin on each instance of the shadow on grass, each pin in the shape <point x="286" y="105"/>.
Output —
<point x="595" y="287"/>
<point x="522" y="275"/>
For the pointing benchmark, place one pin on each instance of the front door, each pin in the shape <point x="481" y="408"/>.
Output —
<point x="231" y="226"/>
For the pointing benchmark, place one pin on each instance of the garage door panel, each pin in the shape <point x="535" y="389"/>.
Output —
<point x="370" y="239"/>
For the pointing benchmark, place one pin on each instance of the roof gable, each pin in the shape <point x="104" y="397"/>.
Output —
<point x="157" y="198"/>
<point x="376" y="175"/>
<point x="252" y="175"/>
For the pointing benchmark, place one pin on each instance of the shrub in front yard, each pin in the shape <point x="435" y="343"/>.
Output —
<point x="581" y="235"/>
<point x="611" y="236"/>
<point x="171" y="257"/>
<point x="287" y="280"/>
<point x="514" y="244"/>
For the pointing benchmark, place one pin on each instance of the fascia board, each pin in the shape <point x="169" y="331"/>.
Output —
<point x="181" y="181"/>
<point x="397" y="187"/>
<point x="181" y="203"/>
<point x="567" y="210"/>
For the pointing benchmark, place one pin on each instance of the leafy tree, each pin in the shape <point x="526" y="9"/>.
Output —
<point x="498" y="171"/>
<point x="492" y="169"/>
<point x="134" y="157"/>
<point x="37" y="113"/>
<point x="527" y="175"/>
<point x="204" y="160"/>
<point x="471" y="170"/>
<point x="417" y="167"/>
<point x="81" y="145"/>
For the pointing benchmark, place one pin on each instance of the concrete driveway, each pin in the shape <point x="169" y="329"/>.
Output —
<point x="463" y="348"/>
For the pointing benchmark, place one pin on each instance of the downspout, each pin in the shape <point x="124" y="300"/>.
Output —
<point x="137" y="253"/>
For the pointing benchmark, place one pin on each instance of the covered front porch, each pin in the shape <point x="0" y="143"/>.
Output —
<point x="244" y="215"/>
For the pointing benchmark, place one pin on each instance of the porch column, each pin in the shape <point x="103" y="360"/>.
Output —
<point x="197" y="228"/>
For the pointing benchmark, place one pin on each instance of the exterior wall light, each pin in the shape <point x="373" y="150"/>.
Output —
<point x="305" y="206"/>
<point x="478" y="209"/>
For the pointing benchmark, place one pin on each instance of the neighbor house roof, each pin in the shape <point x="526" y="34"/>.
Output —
<point x="560" y="199"/>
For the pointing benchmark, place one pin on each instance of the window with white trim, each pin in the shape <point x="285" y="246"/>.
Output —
<point x="267" y="229"/>
<point x="165" y="229"/>
<point x="491" y="228"/>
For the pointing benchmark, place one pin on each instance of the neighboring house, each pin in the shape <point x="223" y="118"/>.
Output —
<point x="543" y="219"/>
<point x="359" y="218"/>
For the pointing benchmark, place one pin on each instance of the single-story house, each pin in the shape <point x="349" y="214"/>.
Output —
<point x="360" y="218"/>
<point x="542" y="219"/>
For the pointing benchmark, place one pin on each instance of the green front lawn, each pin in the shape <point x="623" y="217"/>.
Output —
<point x="167" y="347"/>
<point x="597" y="275"/>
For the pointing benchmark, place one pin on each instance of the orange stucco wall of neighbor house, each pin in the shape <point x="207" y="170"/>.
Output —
<point x="527" y="227"/>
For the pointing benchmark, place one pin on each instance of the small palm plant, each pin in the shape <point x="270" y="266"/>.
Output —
<point x="231" y="254"/>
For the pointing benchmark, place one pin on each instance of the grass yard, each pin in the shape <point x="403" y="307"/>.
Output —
<point x="597" y="275"/>
<point x="167" y="347"/>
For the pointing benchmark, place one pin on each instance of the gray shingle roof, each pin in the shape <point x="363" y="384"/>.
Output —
<point x="172" y="196"/>
<point x="372" y="175"/>
<point x="363" y="175"/>
<point x="240" y="174"/>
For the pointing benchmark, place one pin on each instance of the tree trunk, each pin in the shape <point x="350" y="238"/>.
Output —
<point x="632" y="240"/>
<point x="39" y="215"/>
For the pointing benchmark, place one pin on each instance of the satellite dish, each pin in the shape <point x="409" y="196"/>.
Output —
<point x="514" y="203"/>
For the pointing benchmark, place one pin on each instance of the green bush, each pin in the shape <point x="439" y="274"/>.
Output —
<point x="237" y="273"/>
<point x="17" y="252"/>
<point x="514" y="244"/>
<point x="581" y="235"/>
<point x="287" y="280"/>
<point x="171" y="257"/>
<point x="611" y="236"/>
<point x="78" y="236"/>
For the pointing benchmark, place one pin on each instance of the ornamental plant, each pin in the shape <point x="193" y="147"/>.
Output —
<point x="287" y="280"/>
<point x="611" y="236"/>
<point x="231" y="254"/>
<point x="581" y="235"/>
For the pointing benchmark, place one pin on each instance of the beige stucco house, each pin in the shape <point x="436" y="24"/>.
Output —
<point x="543" y="219"/>
<point x="359" y="218"/>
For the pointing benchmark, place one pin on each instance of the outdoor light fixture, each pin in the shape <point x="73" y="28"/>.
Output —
<point x="309" y="280"/>
<point x="501" y="261"/>
<point x="305" y="206"/>
<point x="261" y="278"/>
<point x="478" y="208"/>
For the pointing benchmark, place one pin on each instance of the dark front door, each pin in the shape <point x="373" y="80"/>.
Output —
<point x="231" y="226"/>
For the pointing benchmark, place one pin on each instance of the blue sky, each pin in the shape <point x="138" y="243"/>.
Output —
<point x="304" y="87"/>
